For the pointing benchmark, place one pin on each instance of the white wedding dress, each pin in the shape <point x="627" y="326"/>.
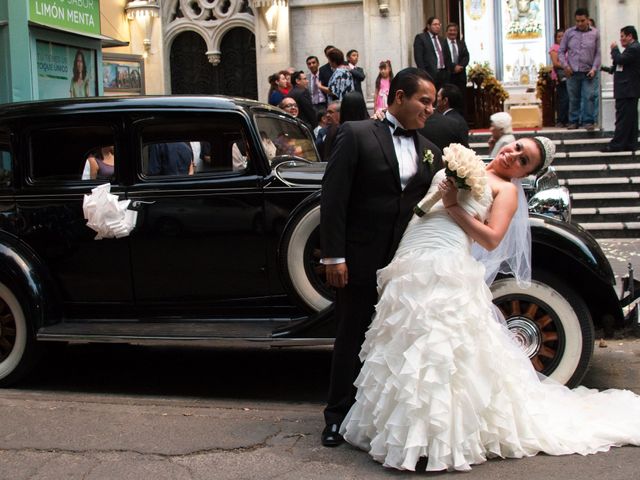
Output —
<point x="442" y="379"/>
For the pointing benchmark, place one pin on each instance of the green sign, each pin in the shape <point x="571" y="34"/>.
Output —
<point x="81" y="16"/>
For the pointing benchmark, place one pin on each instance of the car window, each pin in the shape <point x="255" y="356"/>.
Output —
<point x="284" y="137"/>
<point x="184" y="147"/>
<point x="5" y="167"/>
<point x="73" y="153"/>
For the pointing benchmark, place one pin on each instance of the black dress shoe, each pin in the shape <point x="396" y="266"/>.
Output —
<point x="610" y="148"/>
<point x="330" y="435"/>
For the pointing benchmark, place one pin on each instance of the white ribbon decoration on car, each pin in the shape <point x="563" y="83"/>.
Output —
<point x="107" y="215"/>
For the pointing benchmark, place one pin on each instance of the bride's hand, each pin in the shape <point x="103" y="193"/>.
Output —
<point x="449" y="192"/>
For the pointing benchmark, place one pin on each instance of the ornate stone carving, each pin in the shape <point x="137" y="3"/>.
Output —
<point x="210" y="19"/>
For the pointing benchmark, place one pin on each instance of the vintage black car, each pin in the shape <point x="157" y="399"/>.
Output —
<point x="225" y="249"/>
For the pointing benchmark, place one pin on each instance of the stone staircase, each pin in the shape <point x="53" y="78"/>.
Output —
<point x="604" y="187"/>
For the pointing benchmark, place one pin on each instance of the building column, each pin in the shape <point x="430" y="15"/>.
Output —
<point x="20" y="71"/>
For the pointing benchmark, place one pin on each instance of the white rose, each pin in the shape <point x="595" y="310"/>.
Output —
<point x="453" y="164"/>
<point x="462" y="171"/>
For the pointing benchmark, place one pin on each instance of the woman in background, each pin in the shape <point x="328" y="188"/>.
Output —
<point x="501" y="132"/>
<point x="382" y="85"/>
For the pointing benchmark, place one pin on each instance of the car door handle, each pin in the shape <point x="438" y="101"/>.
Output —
<point x="139" y="203"/>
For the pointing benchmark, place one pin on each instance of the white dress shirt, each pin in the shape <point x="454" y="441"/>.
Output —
<point x="453" y="48"/>
<point x="405" y="152"/>
<point x="438" y="49"/>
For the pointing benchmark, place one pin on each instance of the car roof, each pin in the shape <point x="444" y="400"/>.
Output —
<point x="216" y="102"/>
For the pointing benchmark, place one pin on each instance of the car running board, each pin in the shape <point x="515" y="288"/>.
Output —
<point x="250" y="332"/>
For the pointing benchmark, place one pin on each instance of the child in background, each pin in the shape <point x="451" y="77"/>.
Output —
<point x="382" y="85"/>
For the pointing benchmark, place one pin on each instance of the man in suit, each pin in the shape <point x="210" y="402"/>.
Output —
<point x="300" y="93"/>
<point x="376" y="174"/>
<point x="446" y="125"/>
<point x="318" y="97"/>
<point x="626" y="91"/>
<point x="326" y="71"/>
<point x="356" y="72"/>
<point x="431" y="52"/>
<point x="459" y="60"/>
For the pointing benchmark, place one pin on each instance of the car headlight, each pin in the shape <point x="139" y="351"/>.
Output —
<point x="554" y="202"/>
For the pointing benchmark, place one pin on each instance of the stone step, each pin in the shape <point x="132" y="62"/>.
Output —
<point x="575" y="148"/>
<point x="552" y="133"/>
<point x="605" y="196"/>
<point x="612" y="229"/>
<point x="604" y="199"/>
<point x="600" y="181"/>
<point x="598" y="170"/>
<point x="635" y="210"/>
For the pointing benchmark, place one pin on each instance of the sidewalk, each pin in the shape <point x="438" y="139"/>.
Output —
<point x="51" y="435"/>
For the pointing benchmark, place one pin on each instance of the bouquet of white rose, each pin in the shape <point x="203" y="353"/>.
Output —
<point x="467" y="170"/>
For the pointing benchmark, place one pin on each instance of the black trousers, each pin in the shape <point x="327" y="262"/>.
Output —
<point x="355" y="305"/>
<point x="460" y="81"/>
<point x="625" y="135"/>
<point x="442" y="77"/>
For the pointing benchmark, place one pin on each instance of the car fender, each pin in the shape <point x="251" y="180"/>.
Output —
<point x="568" y="251"/>
<point x="312" y="199"/>
<point x="21" y="267"/>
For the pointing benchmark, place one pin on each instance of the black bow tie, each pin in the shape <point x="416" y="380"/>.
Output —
<point x="399" y="131"/>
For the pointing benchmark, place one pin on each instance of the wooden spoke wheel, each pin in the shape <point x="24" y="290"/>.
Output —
<point x="551" y="323"/>
<point x="17" y="344"/>
<point x="7" y="331"/>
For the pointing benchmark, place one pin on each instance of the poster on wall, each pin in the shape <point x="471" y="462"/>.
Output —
<point x="523" y="40"/>
<point x="65" y="71"/>
<point x="122" y="74"/>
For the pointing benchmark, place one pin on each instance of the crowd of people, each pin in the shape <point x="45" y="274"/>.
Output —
<point x="325" y="96"/>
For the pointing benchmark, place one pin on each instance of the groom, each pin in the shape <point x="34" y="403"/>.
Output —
<point x="377" y="172"/>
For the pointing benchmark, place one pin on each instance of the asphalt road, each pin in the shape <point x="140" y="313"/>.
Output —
<point x="131" y="412"/>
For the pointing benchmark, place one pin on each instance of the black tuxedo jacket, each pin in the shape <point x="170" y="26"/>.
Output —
<point x="425" y="54"/>
<point x="463" y="60"/>
<point x="324" y="74"/>
<point x="302" y="96"/>
<point x="364" y="210"/>
<point x="460" y="126"/>
<point x="444" y="130"/>
<point x="626" y="83"/>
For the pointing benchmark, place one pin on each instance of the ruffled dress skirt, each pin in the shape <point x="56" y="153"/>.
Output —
<point x="442" y="378"/>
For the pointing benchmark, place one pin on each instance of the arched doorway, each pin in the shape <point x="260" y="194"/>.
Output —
<point x="191" y="72"/>
<point x="237" y="69"/>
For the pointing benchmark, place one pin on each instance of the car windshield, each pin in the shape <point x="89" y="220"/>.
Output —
<point x="284" y="137"/>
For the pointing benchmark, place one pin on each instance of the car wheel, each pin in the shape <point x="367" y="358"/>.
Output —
<point x="299" y="259"/>
<point x="17" y="345"/>
<point x="551" y="323"/>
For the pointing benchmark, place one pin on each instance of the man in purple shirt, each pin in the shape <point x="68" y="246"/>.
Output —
<point x="579" y="54"/>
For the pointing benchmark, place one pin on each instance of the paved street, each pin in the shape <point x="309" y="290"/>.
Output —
<point x="131" y="412"/>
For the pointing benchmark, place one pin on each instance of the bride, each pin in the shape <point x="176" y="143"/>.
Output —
<point x="441" y="377"/>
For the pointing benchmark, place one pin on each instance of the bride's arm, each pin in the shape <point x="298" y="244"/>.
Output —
<point x="489" y="234"/>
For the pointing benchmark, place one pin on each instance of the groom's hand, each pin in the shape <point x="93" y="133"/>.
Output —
<point x="337" y="275"/>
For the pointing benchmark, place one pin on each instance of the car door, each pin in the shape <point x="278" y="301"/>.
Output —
<point x="93" y="277"/>
<point x="198" y="247"/>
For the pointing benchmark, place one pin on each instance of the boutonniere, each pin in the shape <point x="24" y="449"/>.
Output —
<point x="427" y="156"/>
